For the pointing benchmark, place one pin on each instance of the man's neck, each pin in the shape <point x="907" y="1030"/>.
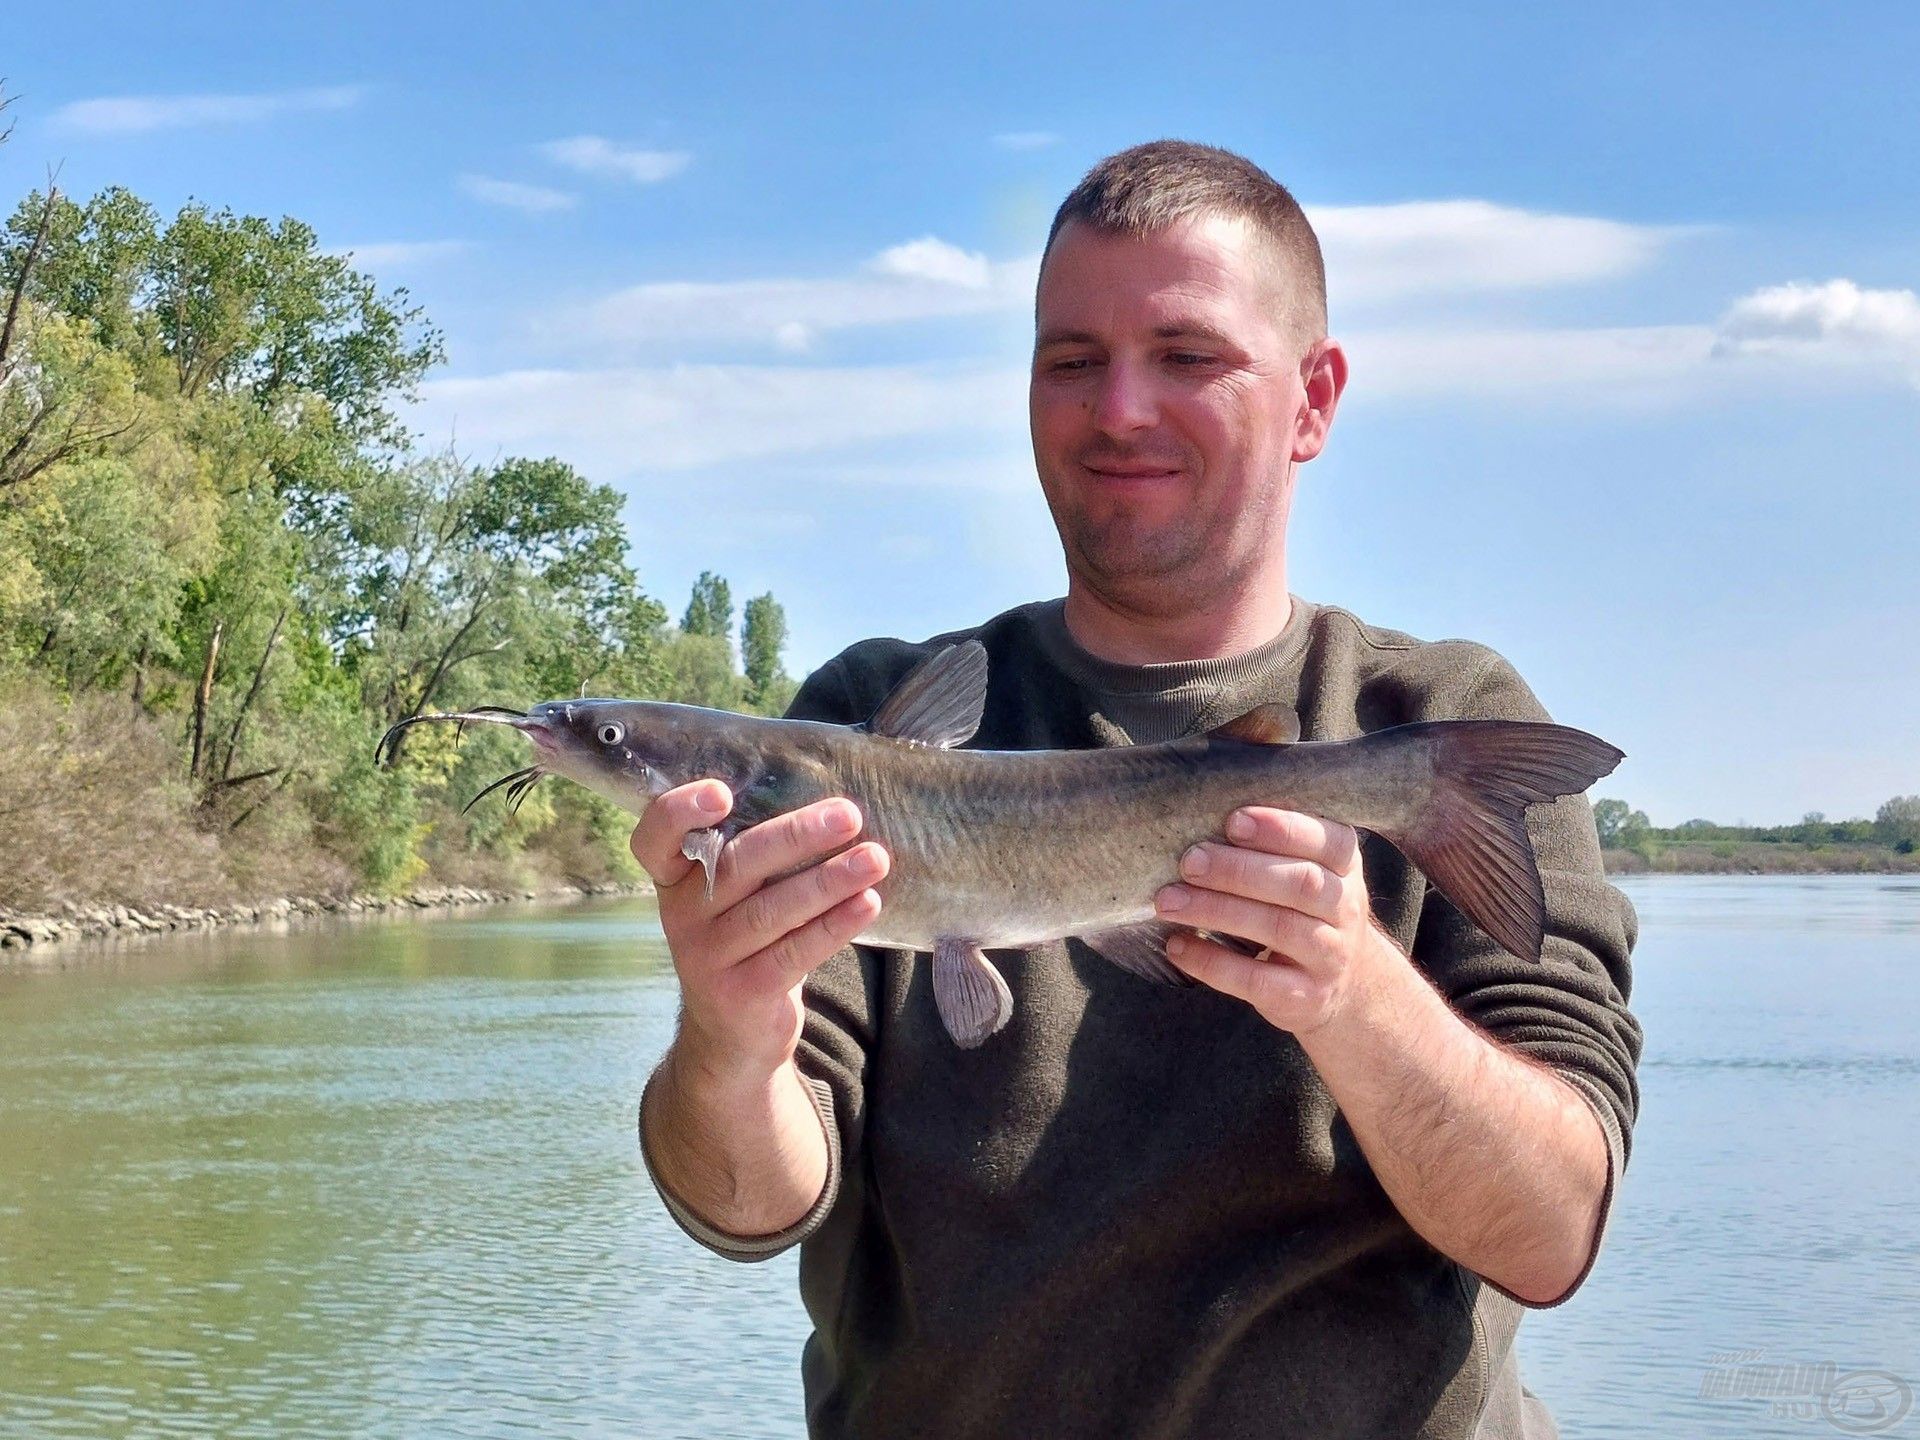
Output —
<point x="1128" y="637"/>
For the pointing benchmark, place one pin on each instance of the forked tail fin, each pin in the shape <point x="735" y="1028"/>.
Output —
<point x="1470" y="839"/>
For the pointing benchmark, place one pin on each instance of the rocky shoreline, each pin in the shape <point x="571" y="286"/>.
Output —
<point x="29" y="937"/>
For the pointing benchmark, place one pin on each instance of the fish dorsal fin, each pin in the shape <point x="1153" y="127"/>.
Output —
<point x="1262" y="725"/>
<point x="939" y="702"/>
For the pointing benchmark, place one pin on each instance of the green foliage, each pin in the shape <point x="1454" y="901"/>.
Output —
<point x="699" y="671"/>
<point x="763" y="637"/>
<point x="1897" y="827"/>
<point x="216" y="530"/>
<point x="1898" y="823"/>
<point x="1620" y="826"/>
<point x="709" y="608"/>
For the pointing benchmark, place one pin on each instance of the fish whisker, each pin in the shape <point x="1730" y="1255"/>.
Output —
<point x="492" y="714"/>
<point x="522" y="790"/>
<point x="533" y="771"/>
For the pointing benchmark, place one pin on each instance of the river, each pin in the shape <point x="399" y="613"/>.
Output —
<point x="380" y="1179"/>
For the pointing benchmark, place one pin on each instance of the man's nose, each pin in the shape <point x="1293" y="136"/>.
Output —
<point x="1124" y="402"/>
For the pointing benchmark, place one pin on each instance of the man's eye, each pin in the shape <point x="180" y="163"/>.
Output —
<point x="1070" y="363"/>
<point x="1188" y="357"/>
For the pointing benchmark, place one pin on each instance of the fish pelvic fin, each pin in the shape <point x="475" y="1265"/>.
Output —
<point x="972" y="996"/>
<point x="1470" y="839"/>
<point x="940" y="701"/>
<point x="703" y="847"/>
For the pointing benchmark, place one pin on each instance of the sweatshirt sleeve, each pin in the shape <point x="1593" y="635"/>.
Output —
<point x="1569" y="1011"/>
<point x="831" y="1056"/>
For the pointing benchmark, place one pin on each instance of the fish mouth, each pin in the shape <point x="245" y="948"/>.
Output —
<point x="520" y="782"/>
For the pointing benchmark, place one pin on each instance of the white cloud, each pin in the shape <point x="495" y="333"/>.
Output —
<point x="1374" y="253"/>
<point x="399" y="254"/>
<point x="1026" y="139"/>
<point x="923" y="279"/>
<point x="930" y="258"/>
<point x="1567" y="365"/>
<point x="137" y="114"/>
<point x="529" y="199"/>
<point x="1834" y="322"/>
<point x="615" y="422"/>
<point x="596" y="155"/>
<point x="1443" y="247"/>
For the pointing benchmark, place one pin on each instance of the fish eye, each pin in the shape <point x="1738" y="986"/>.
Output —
<point x="610" y="733"/>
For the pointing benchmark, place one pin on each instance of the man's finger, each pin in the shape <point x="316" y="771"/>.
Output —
<point x="669" y="819"/>
<point x="1288" y="832"/>
<point x="782" y="845"/>
<point x="1266" y="984"/>
<point x="1299" y="885"/>
<point x="800" y="952"/>
<point x="777" y="909"/>
<point x="1269" y="927"/>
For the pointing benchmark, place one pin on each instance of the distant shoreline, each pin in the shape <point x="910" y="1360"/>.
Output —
<point x="1708" y="857"/>
<point x="30" y="941"/>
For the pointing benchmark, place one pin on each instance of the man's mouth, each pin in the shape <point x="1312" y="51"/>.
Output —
<point x="1131" y="472"/>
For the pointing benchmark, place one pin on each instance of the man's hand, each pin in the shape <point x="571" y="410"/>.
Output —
<point x="727" y="1124"/>
<point x="1291" y="884"/>
<point x="743" y="956"/>
<point x="1494" y="1160"/>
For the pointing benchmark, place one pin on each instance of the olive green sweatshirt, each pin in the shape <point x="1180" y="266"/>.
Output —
<point x="1136" y="1211"/>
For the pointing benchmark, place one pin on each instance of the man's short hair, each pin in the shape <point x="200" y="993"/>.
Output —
<point x="1166" y="182"/>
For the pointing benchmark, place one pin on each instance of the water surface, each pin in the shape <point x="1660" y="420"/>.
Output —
<point x="380" y="1179"/>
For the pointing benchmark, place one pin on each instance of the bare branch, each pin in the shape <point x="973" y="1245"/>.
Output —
<point x="253" y="693"/>
<point x="247" y="779"/>
<point x="201" y="695"/>
<point x="26" y="270"/>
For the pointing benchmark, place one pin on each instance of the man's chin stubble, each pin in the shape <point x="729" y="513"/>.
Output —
<point x="1167" y="579"/>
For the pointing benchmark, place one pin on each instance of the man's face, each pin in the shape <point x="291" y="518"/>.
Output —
<point x="1164" y="401"/>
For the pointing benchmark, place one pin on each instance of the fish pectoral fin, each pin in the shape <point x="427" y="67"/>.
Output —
<point x="1139" y="950"/>
<point x="940" y="701"/>
<point x="704" y="847"/>
<point x="973" y="997"/>
<point x="1262" y="725"/>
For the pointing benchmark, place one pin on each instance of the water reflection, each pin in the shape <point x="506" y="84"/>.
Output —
<point x="377" y="1179"/>
<point x="380" y="1179"/>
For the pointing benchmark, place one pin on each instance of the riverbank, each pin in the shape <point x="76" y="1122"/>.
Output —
<point x="31" y="939"/>
<point x="1732" y="857"/>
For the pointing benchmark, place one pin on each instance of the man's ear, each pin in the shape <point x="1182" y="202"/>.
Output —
<point x="1323" y="374"/>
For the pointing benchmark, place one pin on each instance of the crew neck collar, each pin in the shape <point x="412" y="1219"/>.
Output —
<point x="1113" y="677"/>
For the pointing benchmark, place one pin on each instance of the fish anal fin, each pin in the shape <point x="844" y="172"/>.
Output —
<point x="972" y="996"/>
<point x="703" y="847"/>
<point x="1139" y="950"/>
<point x="1262" y="725"/>
<point x="940" y="701"/>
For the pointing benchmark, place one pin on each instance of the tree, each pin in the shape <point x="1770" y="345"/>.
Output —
<point x="1898" y="823"/>
<point x="763" y="636"/>
<point x="1620" y="826"/>
<point x="709" y="608"/>
<point x="457" y="564"/>
<point x="700" y="672"/>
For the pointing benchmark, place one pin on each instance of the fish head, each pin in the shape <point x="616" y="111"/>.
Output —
<point x="632" y="750"/>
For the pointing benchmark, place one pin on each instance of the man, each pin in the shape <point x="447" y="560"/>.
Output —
<point x="1309" y="1198"/>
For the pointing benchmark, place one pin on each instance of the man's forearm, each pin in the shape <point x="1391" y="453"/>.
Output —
<point x="1494" y="1160"/>
<point x="748" y="1156"/>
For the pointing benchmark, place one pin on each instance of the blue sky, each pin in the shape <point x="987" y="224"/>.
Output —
<point x="1629" y="293"/>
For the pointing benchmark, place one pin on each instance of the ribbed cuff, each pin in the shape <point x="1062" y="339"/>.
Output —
<point x="749" y="1248"/>
<point x="1616" y="1162"/>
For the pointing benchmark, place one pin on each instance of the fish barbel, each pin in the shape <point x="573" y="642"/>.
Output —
<point x="1010" y="849"/>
